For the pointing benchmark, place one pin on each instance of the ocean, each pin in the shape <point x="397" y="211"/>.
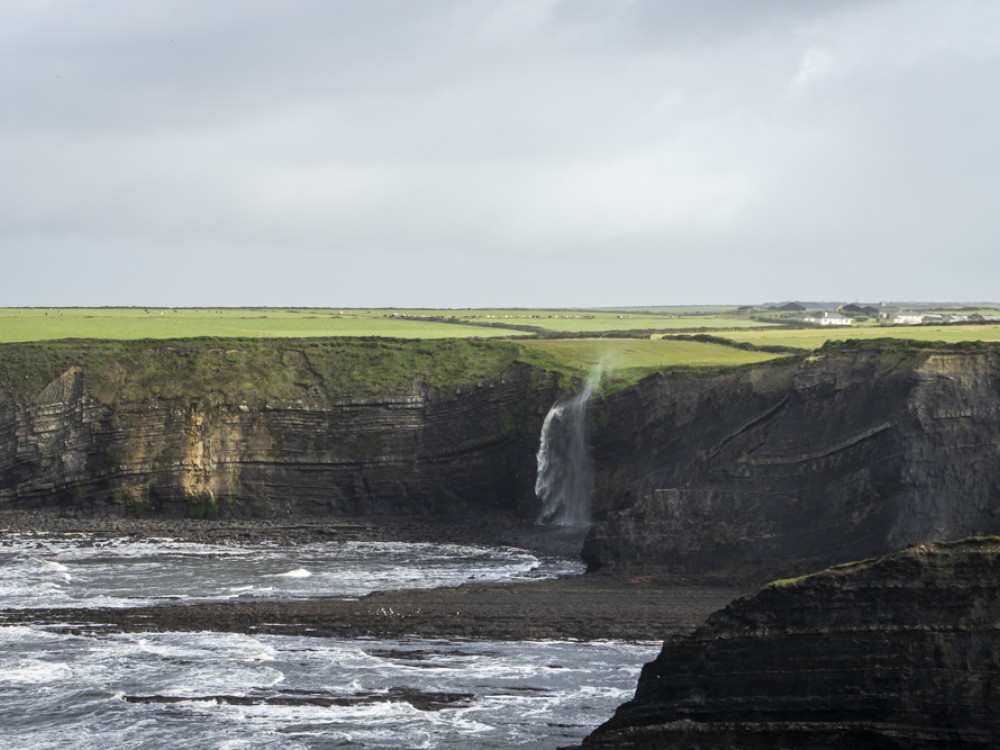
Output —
<point x="86" y="688"/>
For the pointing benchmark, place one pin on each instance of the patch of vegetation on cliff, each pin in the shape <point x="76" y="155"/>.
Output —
<point x="132" y="504"/>
<point x="200" y="506"/>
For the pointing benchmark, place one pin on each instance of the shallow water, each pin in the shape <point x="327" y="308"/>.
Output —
<point x="80" y="572"/>
<point x="97" y="690"/>
<point x="201" y="690"/>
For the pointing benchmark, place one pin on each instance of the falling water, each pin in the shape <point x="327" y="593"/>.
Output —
<point x="565" y="479"/>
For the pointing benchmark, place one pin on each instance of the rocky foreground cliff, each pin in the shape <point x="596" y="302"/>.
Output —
<point x="856" y="450"/>
<point x="897" y="652"/>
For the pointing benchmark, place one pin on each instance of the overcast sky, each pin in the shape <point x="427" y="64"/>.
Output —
<point x="460" y="153"/>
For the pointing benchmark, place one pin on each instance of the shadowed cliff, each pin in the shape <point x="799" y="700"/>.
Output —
<point x="897" y="652"/>
<point x="854" y="451"/>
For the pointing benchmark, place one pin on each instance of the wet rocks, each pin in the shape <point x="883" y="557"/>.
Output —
<point x="592" y="607"/>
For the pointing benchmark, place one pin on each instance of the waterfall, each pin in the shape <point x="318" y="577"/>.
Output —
<point x="565" y="480"/>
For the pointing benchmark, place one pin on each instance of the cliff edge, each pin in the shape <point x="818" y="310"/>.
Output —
<point x="897" y="652"/>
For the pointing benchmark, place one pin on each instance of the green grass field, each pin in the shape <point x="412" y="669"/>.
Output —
<point x="35" y="324"/>
<point x="38" y="324"/>
<point x="627" y="360"/>
<point x="586" y="321"/>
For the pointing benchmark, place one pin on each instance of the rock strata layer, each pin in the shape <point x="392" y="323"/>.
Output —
<point x="792" y="466"/>
<point x="245" y="429"/>
<point x="897" y="652"/>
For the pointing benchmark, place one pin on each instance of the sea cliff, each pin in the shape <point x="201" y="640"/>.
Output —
<point x="739" y="474"/>
<point x="895" y="652"/>
<point x="854" y="451"/>
<point x="245" y="428"/>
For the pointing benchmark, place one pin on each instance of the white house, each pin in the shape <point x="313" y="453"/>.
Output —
<point x="824" y="319"/>
<point x="907" y="319"/>
<point x="833" y="319"/>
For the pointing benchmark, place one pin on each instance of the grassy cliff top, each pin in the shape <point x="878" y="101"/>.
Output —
<point x="254" y="370"/>
<point x="258" y="371"/>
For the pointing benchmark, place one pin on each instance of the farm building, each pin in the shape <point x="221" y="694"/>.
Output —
<point x="824" y="319"/>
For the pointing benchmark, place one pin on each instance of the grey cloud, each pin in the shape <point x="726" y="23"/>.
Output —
<point x="674" y="137"/>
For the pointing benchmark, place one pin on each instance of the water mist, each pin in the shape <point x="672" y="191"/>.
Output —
<point x="565" y="479"/>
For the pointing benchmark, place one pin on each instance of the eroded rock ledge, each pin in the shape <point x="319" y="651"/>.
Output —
<point x="901" y="651"/>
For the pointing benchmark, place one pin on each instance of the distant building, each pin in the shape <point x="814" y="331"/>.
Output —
<point x="907" y="319"/>
<point x="824" y="319"/>
<point x="833" y="319"/>
<point x="869" y="310"/>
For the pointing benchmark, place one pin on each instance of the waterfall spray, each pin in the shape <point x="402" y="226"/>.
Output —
<point x="565" y="480"/>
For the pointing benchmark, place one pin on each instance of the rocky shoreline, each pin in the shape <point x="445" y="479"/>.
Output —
<point x="633" y="607"/>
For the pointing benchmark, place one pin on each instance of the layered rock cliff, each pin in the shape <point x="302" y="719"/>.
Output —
<point x="897" y="652"/>
<point x="854" y="451"/>
<point x="743" y="474"/>
<point x="243" y="428"/>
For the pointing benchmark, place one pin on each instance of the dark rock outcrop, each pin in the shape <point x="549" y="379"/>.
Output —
<point x="855" y="451"/>
<point x="897" y="652"/>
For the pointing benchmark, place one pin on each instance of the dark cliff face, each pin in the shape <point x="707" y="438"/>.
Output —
<point x="91" y="442"/>
<point x="898" y="652"/>
<point x="800" y="464"/>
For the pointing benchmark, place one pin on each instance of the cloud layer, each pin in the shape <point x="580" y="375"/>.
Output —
<point x="474" y="152"/>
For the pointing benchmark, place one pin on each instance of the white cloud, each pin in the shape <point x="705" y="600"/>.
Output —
<point x="816" y="63"/>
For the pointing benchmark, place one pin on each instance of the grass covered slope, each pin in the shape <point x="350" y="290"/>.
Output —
<point x="253" y="371"/>
<point x="626" y="361"/>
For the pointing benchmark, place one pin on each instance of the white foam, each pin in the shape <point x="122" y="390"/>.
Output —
<point x="34" y="671"/>
<point x="297" y="573"/>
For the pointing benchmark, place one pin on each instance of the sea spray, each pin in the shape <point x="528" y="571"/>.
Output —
<point x="565" y="480"/>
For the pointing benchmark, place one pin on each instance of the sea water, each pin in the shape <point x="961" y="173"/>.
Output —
<point x="92" y="689"/>
<point x="82" y="572"/>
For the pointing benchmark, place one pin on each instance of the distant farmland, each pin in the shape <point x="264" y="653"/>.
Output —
<point x="630" y="342"/>
<point x="42" y="324"/>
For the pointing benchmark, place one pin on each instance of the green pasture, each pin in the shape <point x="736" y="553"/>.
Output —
<point x="813" y="338"/>
<point x="40" y="324"/>
<point x="625" y="361"/>
<point x="35" y="324"/>
<point x="586" y="321"/>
